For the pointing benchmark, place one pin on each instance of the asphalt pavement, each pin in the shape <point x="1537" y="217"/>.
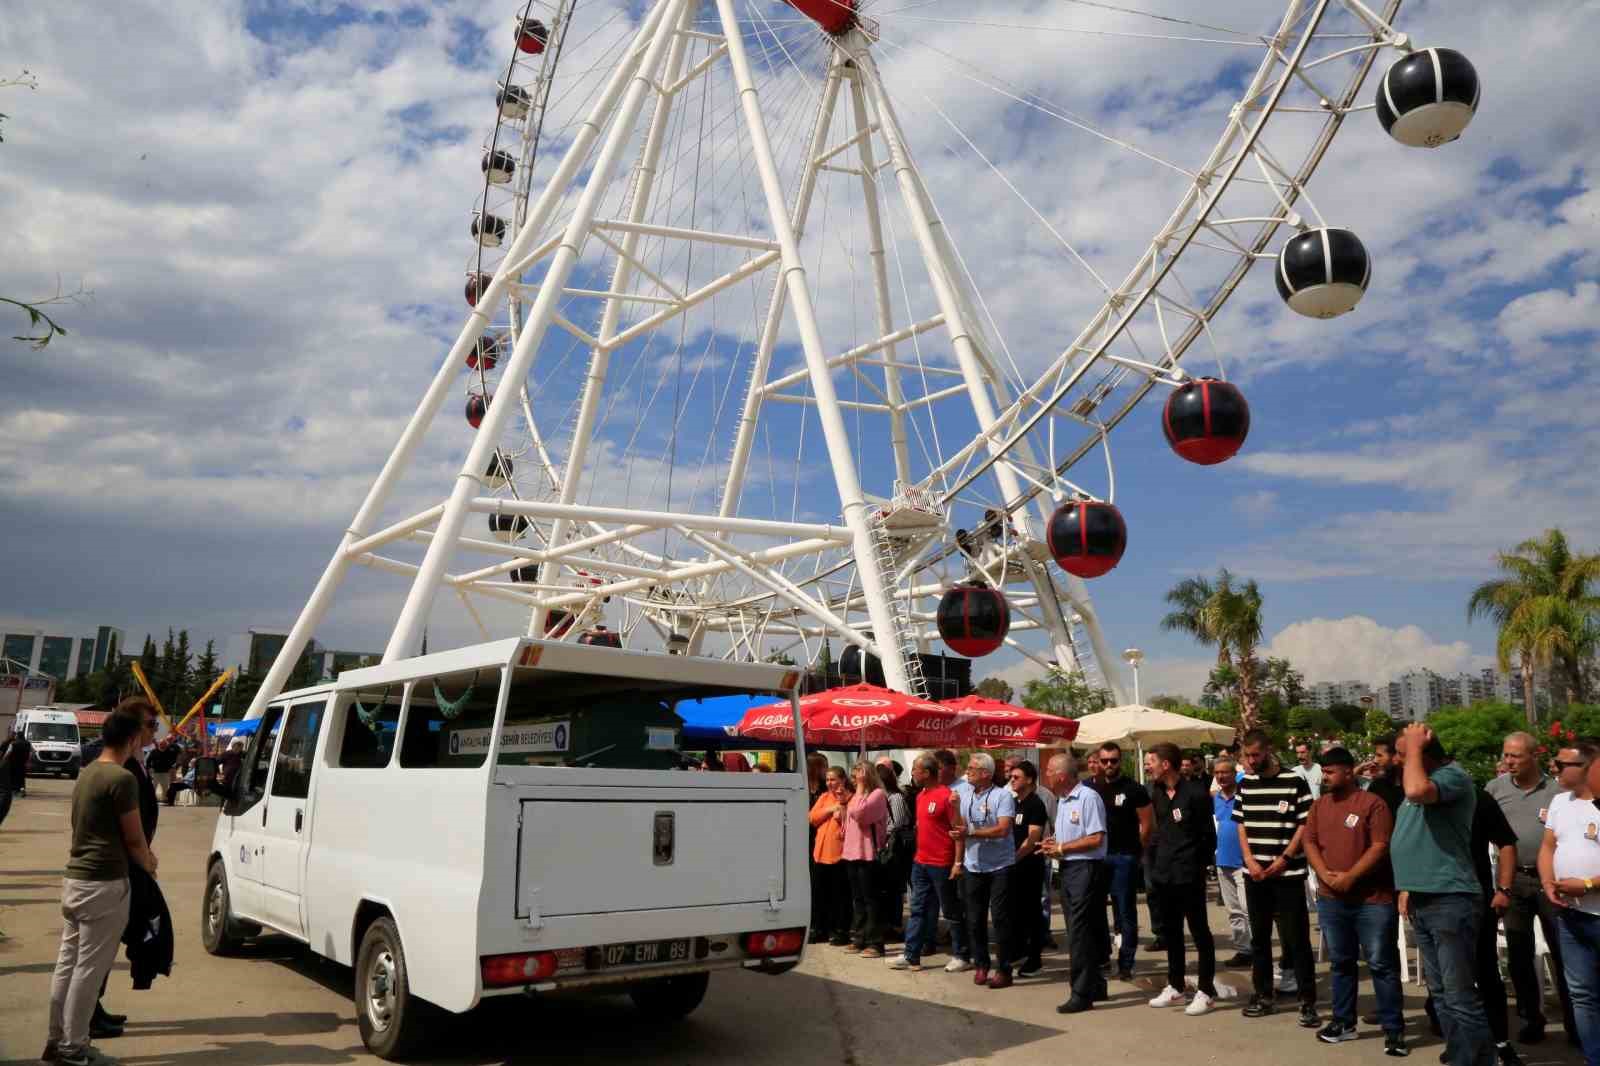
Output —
<point x="278" y="1005"/>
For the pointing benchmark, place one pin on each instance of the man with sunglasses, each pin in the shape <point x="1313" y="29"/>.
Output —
<point x="1569" y="869"/>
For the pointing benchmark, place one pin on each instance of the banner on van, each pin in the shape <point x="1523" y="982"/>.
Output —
<point x="544" y="737"/>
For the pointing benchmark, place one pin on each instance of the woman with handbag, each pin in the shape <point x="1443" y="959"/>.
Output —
<point x="896" y="864"/>
<point x="866" y="831"/>
<point x="830" y="887"/>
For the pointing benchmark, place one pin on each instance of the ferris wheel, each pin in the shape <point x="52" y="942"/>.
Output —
<point x="735" y="368"/>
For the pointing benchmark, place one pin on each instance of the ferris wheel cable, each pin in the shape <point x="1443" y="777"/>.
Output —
<point x="1001" y="87"/>
<point x="1037" y="214"/>
<point x="1119" y="9"/>
<point x="1035" y="28"/>
<point x="1313" y="158"/>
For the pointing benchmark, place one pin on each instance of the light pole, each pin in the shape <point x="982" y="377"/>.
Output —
<point x="1133" y="657"/>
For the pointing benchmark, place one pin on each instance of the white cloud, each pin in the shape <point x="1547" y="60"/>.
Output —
<point x="1537" y="317"/>
<point x="1356" y="648"/>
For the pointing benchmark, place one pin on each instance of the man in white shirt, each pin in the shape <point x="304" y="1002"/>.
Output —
<point x="1569" y="870"/>
<point x="1307" y="769"/>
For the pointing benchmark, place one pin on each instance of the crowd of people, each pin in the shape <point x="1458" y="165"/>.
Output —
<point x="1404" y="836"/>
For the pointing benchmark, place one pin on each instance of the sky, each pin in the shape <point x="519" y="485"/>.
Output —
<point x="265" y="208"/>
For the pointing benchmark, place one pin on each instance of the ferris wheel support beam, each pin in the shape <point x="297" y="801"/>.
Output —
<point x="321" y="598"/>
<point x="856" y="514"/>
<point x="744" y="438"/>
<point x="976" y="371"/>
<point x="622" y="276"/>
<point x="880" y="281"/>
<point x="637" y="76"/>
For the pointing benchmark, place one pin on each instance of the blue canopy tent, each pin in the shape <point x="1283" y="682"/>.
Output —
<point x="707" y="724"/>
<point x="233" y="729"/>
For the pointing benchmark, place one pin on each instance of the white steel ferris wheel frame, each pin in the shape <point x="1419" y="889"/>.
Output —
<point x="653" y="70"/>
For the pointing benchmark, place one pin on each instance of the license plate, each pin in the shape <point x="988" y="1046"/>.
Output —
<point x="642" y="953"/>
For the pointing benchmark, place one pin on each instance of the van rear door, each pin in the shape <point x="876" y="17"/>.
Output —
<point x="653" y="850"/>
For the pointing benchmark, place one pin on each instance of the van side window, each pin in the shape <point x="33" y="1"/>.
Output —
<point x="450" y="720"/>
<point x="249" y="778"/>
<point x="369" y="729"/>
<point x="299" y="744"/>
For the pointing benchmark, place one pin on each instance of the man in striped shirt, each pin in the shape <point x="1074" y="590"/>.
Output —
<point x="1270" y="818"/>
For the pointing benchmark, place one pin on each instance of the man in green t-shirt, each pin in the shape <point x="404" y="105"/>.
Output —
<point x="1431" y="852"/>
<point x="106" y="836"/>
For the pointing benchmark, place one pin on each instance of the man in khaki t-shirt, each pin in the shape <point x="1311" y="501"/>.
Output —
<point x="106" y="836"/>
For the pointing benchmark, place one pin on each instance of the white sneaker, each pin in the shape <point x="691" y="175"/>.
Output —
<point x="957" y="966"/>
<point x="1169" y="997"/>
<point x="1200" y="1004"/>
<point x="899" y="962"/>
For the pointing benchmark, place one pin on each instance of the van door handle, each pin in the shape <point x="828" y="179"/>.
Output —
<point x="299" y="819"/>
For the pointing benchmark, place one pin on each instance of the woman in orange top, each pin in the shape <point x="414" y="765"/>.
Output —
<point x="829" y="883"/>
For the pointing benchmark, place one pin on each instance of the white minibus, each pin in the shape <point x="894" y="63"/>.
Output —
<point x="510" y="819"/>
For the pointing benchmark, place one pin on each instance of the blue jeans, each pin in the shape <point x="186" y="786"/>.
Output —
<point x="1446" y="924"/>
<point x="1580" y="957"/>
<point x="931" y="891"/>
<point x="1125" y="905"/>
<point x="1372" y="929"/>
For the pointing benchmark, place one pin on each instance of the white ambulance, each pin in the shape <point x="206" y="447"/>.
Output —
<point x="53" y="733"/>
<point x="509" y="819"/>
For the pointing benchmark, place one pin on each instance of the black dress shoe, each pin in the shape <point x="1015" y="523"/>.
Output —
<point x="104" y="1030"/>
<point x="1157" y="945"/>
<point x="1074" y="1006"/>
<point x="1532" y="1033"/>
<point x="1240" y="958"/>
<point x="103" y="1015"/>
<point x="1125" y="975"/>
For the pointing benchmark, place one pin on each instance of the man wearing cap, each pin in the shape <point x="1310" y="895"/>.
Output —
<point x="1347" y="843"/>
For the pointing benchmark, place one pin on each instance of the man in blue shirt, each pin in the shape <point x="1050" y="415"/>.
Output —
<point x="1079" y="841"/>
<point x="1431" y="852"/>
<point x="987" y="816"/>
<point x="1231" y="872"/>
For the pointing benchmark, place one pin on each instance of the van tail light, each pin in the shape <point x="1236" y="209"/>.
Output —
<point x="501" y="971"/>
<point x="771" y="942"/>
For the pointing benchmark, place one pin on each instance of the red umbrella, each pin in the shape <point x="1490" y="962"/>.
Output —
<point x="993" y="724"/>
<point x="860" y="714"/>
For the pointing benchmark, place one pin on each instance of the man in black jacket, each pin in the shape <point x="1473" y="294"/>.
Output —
<point x="105" y="1025"/>
<point x="1183" y="842"/>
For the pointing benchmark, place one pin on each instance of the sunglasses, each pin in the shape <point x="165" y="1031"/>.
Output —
<point x="1570" y="765"/>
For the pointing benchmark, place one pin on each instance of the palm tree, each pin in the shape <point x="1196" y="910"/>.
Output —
<point x="1289" y="683"/>
<point x="1546" y="630"/>
<point x="1226" y="615"/>
<point x="1544" y="611"/>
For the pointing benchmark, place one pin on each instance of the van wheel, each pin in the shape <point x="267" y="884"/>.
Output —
<point x="666" y="999"/>
<point x="390" y="1018"/>
<point x="219" y="933"/>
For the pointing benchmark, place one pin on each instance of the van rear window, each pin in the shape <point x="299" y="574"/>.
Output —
<point x="370" y="726"/>
<point x="588" y="721"/>
<point x="450" y="719"/>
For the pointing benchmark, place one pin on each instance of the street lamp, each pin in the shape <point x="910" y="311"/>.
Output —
<point x="1133" y="657"/>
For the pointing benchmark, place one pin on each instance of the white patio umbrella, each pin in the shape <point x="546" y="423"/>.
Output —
<point x="1143" y="726"/>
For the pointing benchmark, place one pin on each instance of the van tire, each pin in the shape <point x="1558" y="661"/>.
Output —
<point x="219" y="933"/>
<point x="391" y="1019"/>
<point x="667" y="999"/>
